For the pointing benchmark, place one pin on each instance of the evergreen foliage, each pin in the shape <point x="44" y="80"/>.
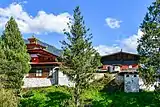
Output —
<point x="14" y="56"/>
<point x="14" y="63"/>
<point x="149" y="44"/>
<point x="80" y="59"/>
<point x="7" y="98"/>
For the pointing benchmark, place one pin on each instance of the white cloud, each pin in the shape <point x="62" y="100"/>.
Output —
<point x="127" y="44"/>
<point x="130" y="43"/>
<point x="104" y="49"/>
<point x="41" y="23"/>
<point x="113" y="23"/>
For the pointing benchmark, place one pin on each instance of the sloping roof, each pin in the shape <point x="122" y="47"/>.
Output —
<point x="121" y="53"/>
<point x="49" y="48"/>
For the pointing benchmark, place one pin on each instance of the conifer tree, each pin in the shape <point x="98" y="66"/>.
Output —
<point x="149" y="44"/>
<point x="15" y="60"/>
<point x="2" y="61"/>
<point x="80" y="59"/>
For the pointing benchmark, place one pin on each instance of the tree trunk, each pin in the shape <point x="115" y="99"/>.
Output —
<point x="77" y="95"/>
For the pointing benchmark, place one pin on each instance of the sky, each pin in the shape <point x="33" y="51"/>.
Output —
<point x="113" y="23"/>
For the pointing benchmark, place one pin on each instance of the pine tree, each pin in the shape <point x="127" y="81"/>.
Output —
<point x="2" y="74"/>
<point x="15" y="58"/>
<point x="149" y="44"/>
<point x="80" y="59"/>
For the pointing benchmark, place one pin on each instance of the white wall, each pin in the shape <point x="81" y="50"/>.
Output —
<point x="147" y="88"/>
<point x="37" y="82"/>
<point x="99" y="75"/>
<point x="64" y="80"/>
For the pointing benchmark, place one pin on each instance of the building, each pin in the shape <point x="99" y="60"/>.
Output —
<point x="44" y="67"/>
<point x="125" y="65"/>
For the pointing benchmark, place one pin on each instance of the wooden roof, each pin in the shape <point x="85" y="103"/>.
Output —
<point x="121" y="52"/>
<point x="49" y="48"/>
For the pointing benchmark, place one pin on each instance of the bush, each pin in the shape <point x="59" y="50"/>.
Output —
<point x="7" y="98"/>
<point x="46" y="97"/>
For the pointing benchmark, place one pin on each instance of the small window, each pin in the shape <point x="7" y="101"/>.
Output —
<point x="38" y="72"/>
<point x="130" y="66"/>
<point x="127" y="75"/>
<point x="135" y="75"/>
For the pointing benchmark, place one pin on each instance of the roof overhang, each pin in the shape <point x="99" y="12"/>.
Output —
<point x="44" y="63"/>
<point x="120" y="53"/>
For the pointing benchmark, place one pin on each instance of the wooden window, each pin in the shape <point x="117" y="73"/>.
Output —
<point x="38" y="72"/>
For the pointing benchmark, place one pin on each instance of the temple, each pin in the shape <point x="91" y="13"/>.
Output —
<point x="44" y="65"/>
<point x="42" y="62"/>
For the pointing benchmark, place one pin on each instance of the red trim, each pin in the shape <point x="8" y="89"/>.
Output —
<point x="39" y="63"/>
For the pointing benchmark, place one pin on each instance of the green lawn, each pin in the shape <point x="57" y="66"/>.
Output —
<point x="61" y="96"/>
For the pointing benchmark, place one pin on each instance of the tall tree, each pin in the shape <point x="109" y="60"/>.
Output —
<point x="15" y="57"/>
<point x="80" y="59"/>
<point x="149" y="44"/>
<point x="2" y="61"/>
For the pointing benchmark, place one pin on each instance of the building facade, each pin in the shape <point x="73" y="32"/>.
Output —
<point x="126" y="66"/>
<point x="44" y="67"/>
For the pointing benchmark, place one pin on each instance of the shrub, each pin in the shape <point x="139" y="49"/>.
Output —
<point x="46" y="97"/>
<point x="7" y="98"/>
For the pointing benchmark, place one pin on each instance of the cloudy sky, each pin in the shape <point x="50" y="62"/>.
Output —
<point x="113" y="23"/>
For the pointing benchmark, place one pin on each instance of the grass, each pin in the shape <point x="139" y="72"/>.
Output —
<point x="46" y="97"/>
<point x="61" y="96"/>
<point x="121" y="99"/>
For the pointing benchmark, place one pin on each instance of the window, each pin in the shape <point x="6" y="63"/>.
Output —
<point x="127" y="75"/>
<point x="135" y="75"/>
<point x="130" y="66"/>
<point x="39" y="72"/>
<point x="117" y="68"/>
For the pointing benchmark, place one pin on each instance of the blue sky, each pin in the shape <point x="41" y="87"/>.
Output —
<point x="113" y="23"/>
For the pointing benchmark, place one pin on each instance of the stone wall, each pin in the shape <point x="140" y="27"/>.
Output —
<point x="131" y="83"/>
